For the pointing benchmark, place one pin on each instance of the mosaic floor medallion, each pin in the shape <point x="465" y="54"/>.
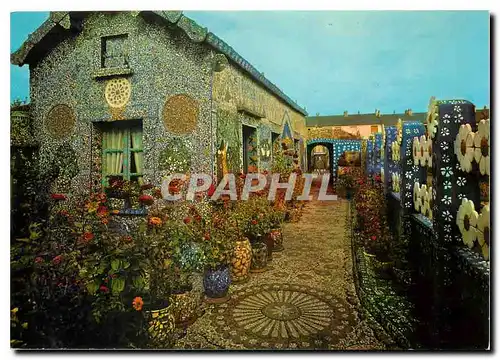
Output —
<point x="283" y="316"/>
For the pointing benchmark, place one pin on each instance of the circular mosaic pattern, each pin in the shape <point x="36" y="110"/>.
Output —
<point x="278" y="316"/>
<point x="118" y="92"/>
<point x="180" y="114"/>
<point x="60" y="121"/>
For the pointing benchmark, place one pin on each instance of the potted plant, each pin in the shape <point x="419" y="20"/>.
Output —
<point x="218" y="248"/>
<point x="277" y="216"/>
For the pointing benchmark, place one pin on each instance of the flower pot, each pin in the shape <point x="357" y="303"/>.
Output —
<point x="161" y="327"/>
<point x="259" y="257"/>
<point x="240" y="263"/>
<point x="277" y="237"/>
<point x="216" y="283"/>
<point x="183" y="307"/>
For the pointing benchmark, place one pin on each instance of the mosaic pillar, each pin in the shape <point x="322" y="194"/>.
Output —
<point x="390" y="166"/>
<point x="369" y="157"/>
<point x="363" y="156"/>
<point x="450" y="183"/>
<point x="410" y="172"/>
<point x="377" y="154"/>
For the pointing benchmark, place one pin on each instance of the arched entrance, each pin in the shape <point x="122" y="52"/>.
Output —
<point x="319" y="154"/>
<point x="320" y="159"/>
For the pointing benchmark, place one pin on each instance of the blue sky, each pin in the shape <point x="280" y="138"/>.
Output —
<point x="331" y="61"/>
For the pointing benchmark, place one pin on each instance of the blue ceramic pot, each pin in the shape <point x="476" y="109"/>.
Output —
<point x="216" y="282"/>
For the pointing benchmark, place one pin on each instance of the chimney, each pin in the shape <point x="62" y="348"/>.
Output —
<point x="345" y="113"/>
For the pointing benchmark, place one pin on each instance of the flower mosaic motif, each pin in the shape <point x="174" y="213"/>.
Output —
<point x="467" y="218"/>
<point x="447" y="171"/>
<point x="446" y="118"/>
<point x="447" y="216"/>
<point x="483" y="231"/>
<point x="284" y="314"/>
<point x="482" y="146"/>
<point x="464" y="147"/>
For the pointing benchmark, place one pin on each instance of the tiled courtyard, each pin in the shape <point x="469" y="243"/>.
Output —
<point x="305" y="300"/>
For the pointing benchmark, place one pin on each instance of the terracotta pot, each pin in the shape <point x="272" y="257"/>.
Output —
<point x="161" y="327"/>
<point x="259" y="257"/>
<point x="216" y="282"/>
<point x="277" y="236"/>
<point x="240" y="263"/>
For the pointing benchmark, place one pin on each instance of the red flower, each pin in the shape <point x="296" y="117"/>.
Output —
<point x="146" y="199"/>
<point x="374" y="238"/>
<point x="197" y="218"/>
<point x="104" y="288"/>
<point x="206" y="237"/>
<point x="187" y="220"/>
<point x="102" y="211"/>
<point x="57" y="260"/>
<point x="38" y="259"/>
<point x="87" y="236"/>
<point x="254" y="222"/>
<point x="58" y="196"/>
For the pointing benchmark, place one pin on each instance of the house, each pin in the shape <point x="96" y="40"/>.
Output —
<point x="141" y="94"/>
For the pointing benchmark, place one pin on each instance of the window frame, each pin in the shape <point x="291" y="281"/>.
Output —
<point x="126" y="149"/>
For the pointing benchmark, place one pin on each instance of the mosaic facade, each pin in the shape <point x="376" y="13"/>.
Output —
<point x="121" y="66"/>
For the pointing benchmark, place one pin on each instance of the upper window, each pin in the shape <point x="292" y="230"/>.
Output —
<point x="114" y="51"/>
<point x="123" y="155"/>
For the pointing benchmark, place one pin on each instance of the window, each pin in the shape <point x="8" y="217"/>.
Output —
<point x="250" y="156"/>
<point x="123" y="155"/>
<point x="374" y="129"/>
<point x="114" y="51"/>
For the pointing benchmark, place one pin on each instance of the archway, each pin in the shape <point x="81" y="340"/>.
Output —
<point x="320" y="159"/>
<point x="325" y="151"/>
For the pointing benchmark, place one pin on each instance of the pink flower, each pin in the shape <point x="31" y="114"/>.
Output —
<point x="38" y="260"/>
<point x="57" y="260"/>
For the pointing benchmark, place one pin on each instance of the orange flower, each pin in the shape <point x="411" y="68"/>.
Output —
<point x="138" y="303"/>
<point x="154" y="220"/>
<point x="87" y="236"/>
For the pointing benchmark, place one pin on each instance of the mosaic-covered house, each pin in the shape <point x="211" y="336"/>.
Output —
<point x="141" y="94"/>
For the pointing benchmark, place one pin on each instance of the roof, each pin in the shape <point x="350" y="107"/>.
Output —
<point x="60" y="24"/>
<point x="362" y="119"/>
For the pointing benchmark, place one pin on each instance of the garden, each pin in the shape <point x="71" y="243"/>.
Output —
<point x="87" y="275"/>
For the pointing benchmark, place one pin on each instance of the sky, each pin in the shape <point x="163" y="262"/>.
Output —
<point x="333" y="61"/>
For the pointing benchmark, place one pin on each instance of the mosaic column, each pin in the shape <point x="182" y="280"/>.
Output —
<point x="390" y="166"/>
<point x="369" y="157"/>
<point x="410" y="172"/>
<point x="363" y="156"/>
<point x="449" y="183"/>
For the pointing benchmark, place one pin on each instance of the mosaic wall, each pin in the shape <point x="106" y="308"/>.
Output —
<point x="233" y="91"/>
<point x="167" y="86"/>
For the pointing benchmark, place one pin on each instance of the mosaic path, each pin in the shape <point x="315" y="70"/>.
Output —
<point x="306" y="299"/>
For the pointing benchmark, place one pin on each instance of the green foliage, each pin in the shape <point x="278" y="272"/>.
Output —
<point x="175" y="157"/>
